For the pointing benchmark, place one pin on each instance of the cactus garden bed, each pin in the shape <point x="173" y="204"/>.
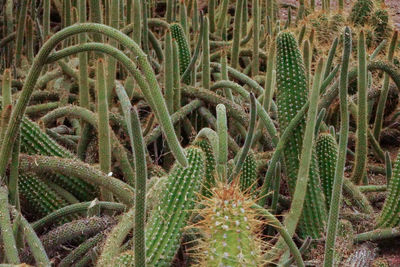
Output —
<point x="199" y="133"/>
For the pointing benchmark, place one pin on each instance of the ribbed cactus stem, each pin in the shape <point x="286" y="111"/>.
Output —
<point x="331" y="56"/>
<point x="177" y="201"/>
<point x="178" y="34"/>
<point x="84" y="97"/>
<point x="305" y="170"/>
<point x="327" y="151"/>
<point x="341" y="158"/>
<point x="81" y="250"/>
<point x="137" y="20"/>
<point x="210" y="165"/>
<point x="307" y="56"/>
<point x="362" y="117"/>
<point x="140" y="197"/>
<point x="111" y="62"/>
<point x="269" y="88"/>
<point x="73" y="209"/>
<point x="388" y="167"/>
<point x="14" y="172"/>
<point x="222" y="17"/>
<point x="291" y="96"/>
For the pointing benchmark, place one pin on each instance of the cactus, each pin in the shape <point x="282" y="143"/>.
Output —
<point x="35" y="141"/>
<point x="178" y="34"/>
<point x="39" y="196"/>
<point x="291" y="96"/>
<point x="230" y="228"/>
<point x="162" y="237"/>
<point x="361" y="11"/>
<point x="248" y="176"/>
<point x="210" y="170"/>
<point x="327" y="151"/>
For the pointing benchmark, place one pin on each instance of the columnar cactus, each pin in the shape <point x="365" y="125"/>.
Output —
<point x="248" y="177"/>
<point x="327" y="151"/>
<point x="184" y="51"/>
<point x="164" y="229"/>
<point x="292" y="92"/>
<point x="230" y="228"/>
<point x="210" y="170"/>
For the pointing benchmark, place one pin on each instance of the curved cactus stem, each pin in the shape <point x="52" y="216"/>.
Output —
<point x="119" y="151"/>
<point x="80" y="170"/>
<point x="137" y="144"/>
<point x="341" y="160"/>
<point x="74" y="209"/>
<point x="155" y="98"/>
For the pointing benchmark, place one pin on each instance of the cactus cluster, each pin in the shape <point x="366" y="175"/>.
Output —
<point x="198" y="133"/>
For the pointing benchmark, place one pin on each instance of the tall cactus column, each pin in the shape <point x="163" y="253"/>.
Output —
<point x="292" y="94"/>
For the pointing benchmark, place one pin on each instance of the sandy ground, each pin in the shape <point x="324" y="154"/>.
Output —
<point x="394" y="5"/>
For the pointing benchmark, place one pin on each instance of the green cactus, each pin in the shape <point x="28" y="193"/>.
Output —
<point x="291" y="96"/>
<point x="248" y="177"/>
<point x="361" y="12"/>
<point x="35" y="141"/>
<point x="39" y="196"/>
<point x="230" y="228"/>
<point x="327" y="151"/>
<point x="164" y="228"/>
<point x="210" y="170"/>
<point x="184" y="51"/>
